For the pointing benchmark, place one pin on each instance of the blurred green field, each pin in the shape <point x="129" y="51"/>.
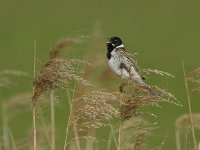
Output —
<point x="163" y="33"/>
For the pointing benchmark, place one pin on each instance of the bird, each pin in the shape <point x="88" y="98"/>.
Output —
<point x="123" y="65"/>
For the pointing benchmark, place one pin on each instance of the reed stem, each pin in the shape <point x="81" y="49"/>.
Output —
<point x="190" y="108"/>
<point x="52" y="120"/>
<point x="33" y="103"/>
<point x="119" y="136"/>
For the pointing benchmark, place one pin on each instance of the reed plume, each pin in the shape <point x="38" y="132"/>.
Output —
<point x="5" y="81"/>
<point x="183" y="129"/>
<point x="57" y="73"/>
<point x="131" y="105"/>
<point x="194" y="77"/>
<point x="92" y="110"/>
<point x="136" y="98"/>
<point x="57" y="49"/>
<point x="133" y="133"/>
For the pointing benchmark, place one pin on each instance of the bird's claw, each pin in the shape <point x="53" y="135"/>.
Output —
<point x="121" y="89"/>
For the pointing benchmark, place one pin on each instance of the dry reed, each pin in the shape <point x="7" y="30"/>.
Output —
<point x="10" y="108"/>
<point x="5" y="74"/>
<point x="194" y="77"/>
<point x="33" y="103"/>
<point x="183" y="127"/>
<point x="58" y="47"/>
<point x="57" y="73"/>
<point x="92" y="110"/>
<point x="158" y="72"/>
<point x="136" y="97"/>
<point x="189" y="107"/>
<point x="133" y="133"/>
<point x="132" y="101"/>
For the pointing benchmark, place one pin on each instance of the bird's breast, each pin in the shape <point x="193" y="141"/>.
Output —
<point x="114" y="64"/>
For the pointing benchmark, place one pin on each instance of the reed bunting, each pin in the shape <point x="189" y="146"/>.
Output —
<point x="122" y="64"/>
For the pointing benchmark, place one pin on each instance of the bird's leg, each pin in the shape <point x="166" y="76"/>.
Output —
<point x="121" y="87"/>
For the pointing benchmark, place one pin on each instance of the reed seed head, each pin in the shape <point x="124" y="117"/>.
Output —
<point x="57" y="73"/>
<point x="93" y="109"/>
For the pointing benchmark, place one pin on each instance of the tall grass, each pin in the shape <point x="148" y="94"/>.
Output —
<point x="33" y="103"/>
<point x="189" y="107"/>
<point x="52" y="103"/>
<point x="92" y="108"/>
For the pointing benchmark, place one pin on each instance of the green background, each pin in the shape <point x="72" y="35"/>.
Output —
<point x="163" y="33"/>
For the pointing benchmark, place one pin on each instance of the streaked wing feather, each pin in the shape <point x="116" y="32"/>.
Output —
<point x="127" y="57"/>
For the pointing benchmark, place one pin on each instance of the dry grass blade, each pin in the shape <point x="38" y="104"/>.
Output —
<point x="57" y="73"/>
<point x="159" y="72"/>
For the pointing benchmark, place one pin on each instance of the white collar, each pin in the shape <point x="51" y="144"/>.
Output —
<point x="120" y="46"/>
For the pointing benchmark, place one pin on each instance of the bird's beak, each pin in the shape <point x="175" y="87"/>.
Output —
<point x="108" y="40"/>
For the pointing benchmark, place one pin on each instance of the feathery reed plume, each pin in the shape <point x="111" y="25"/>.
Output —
<point x="136" y="97"/>
<point x="16" y="73"/>
<point x="183" y="127"/>
<point x="195" y="74"/>
<point x="19" y="102"/>
<point x="57" y="73"/>
<point x="5" y="81"/>
<point x="133" y="132"/>
<point x="92" y="110"/>
<point x="194" y="77"/>
<point x="55" y="51"/>
<point x="189" y="107"/>
<point x="158" y="72"/>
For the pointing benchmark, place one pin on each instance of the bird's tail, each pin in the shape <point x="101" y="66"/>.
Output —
<point x="151" y="91"/>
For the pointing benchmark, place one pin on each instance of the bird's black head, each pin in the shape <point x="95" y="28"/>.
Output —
<point x="112" y="43"/>
<point x="115" y="41"/>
